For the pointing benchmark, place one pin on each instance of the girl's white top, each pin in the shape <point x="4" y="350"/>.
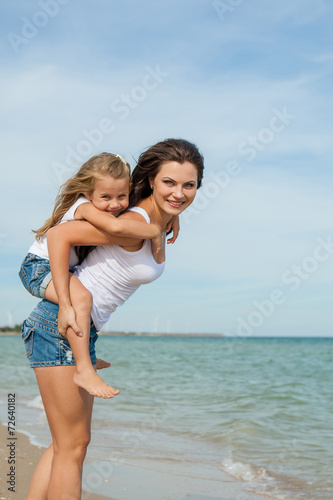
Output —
<point x="112" y="275"/>
<point x="40" y="247"/>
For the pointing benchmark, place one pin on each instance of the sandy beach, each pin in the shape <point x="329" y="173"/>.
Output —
<point x="129" y="481"/>
<point x="27" y="456"/>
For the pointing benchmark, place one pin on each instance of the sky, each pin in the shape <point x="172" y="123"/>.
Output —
<point x="249" y="82"/>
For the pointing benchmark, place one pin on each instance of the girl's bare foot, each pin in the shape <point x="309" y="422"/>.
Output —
<point x="100" y="364"/>
<point x="92" y="383"/>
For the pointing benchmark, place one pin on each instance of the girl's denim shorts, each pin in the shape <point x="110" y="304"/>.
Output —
<point x="35" y="274"/>
<point x="44" y="345"/>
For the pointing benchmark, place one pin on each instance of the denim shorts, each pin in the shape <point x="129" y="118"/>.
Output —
<point x="35" y="274"/>
<point x="44" y="345"/>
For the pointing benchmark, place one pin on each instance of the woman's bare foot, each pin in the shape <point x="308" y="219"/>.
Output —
<point x="100" y="364"/>
<point x="92" y="383"/>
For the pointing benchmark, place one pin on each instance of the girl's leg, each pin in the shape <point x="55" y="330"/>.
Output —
<point x="68" y="409"/>
<point x="85" y="375"/>
<point x="100" y="364"/>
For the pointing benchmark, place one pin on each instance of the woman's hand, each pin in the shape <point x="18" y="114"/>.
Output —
<point x="66" y="319"/>
<point x="174" y="225"/>
<point x="157" y="240"/>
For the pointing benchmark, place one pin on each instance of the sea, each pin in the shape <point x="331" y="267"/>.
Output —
<point x="199" y="411"/>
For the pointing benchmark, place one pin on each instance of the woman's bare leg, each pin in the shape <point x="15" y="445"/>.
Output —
<point x="68" y="409"/>
<point x="41" y="477"/>
<point x="85" y="375"/>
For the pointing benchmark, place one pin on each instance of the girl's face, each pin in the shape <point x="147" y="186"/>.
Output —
<point x="175" y="186"/>
<point x="110" y="194"/>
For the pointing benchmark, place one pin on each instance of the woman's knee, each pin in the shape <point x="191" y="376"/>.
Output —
<point x="80" y="450"/>
<point x="76" y="448"/>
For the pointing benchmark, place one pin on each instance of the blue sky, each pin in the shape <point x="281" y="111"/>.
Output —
<point x="249" y="82"/>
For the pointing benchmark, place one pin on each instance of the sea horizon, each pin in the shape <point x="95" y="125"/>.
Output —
<point x="200" y="335"/>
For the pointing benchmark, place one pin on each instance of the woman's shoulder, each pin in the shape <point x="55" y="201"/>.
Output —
<point x="139" y="212"/>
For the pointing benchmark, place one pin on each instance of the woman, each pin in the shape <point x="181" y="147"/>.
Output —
<point x="165" y="181"/>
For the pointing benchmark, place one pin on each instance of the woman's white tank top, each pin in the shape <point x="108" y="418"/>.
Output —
<point x="112" y="275"/>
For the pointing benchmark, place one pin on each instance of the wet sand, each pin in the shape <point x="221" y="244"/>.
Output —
<point x="26" y="458"/>
<point x="129" y="480"/>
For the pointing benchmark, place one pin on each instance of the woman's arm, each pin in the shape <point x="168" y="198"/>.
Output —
<point x="60" y="239"/>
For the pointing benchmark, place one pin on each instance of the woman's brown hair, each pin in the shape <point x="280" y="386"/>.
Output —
<point x="150" y="161"/>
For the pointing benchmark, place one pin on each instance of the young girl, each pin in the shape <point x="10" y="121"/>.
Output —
<point x="97" y="193"/>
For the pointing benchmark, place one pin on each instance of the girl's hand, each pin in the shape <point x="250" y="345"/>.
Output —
<point x="174" y="225"/>
<point x="66" y="319"/>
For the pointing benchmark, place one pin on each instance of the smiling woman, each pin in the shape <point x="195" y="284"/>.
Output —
<point x="165" y="181"/>
<point x="173" y="188"/>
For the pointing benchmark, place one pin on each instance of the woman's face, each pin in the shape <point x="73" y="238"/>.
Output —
<point x="175" y="186"/>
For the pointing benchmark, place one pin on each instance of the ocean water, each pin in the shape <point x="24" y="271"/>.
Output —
<point x="258" y="409"/>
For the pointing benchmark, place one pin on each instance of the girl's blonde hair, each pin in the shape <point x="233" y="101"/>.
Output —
<point x="84" y="182"/>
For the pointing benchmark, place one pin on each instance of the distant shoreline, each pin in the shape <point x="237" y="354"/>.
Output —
<point x="198" y="335"/>
<point x="144" y="334"/>
<point x="147" y="334"/>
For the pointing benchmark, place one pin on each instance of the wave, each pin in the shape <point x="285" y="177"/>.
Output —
<point x="36" y="403"/>
<point x="268" y="483"/>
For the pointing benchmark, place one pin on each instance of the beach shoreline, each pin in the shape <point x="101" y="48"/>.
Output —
<point x="18" y="465"/>
<point x="127" y="478"/>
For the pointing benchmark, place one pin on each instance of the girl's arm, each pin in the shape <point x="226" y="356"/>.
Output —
<point x="59" y="240"/>
<point x="119" y="226"/>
